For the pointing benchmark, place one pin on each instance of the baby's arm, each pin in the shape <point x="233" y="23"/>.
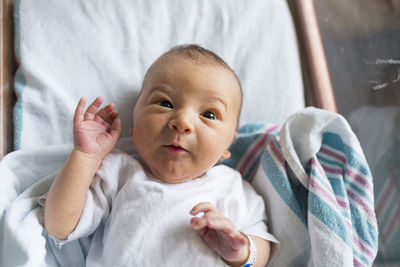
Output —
<point x="221" y="235"/>
<point x="95" y="135"/>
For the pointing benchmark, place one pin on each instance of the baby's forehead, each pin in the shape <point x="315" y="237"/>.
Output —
<point x="176" y="66"/>
<point x="169" y="63"/>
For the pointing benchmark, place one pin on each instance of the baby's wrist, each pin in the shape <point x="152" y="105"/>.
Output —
<point x="91" y="160"/>
<point x="243" y="254"/>
<point x="248" y="255"/>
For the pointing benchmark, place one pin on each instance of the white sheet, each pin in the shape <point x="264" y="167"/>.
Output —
<point x="69" y="49"/>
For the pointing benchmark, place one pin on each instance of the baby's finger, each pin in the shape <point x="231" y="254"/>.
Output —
<point x="92" y="109"/>
<point x="199" y="224"/>
<point x="111" y="117"/>
<point x="219" y="223"/>
<point x="80" y="108"/>
<point x="202" y="207"/>
<point x="212" y="220"/>
<point x="103" y="113"/>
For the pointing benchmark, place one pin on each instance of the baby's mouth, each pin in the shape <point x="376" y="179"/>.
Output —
<point x="175" y="149"/>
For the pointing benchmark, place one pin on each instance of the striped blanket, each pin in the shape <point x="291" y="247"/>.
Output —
<point x="317" y="187"/>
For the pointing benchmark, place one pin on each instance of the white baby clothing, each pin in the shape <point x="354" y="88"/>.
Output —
<point x="138" y="220"/>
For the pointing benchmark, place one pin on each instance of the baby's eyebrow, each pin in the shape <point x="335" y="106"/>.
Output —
<point x="163" y="89"/>
<point x="219" y="99"/>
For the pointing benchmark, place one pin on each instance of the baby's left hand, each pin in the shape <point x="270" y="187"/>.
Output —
<point x="220" y="234"/>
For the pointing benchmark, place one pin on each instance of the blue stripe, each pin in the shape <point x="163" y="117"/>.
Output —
<point x="281" y="184"/>
<point x="338" y="188"/>
<point x="20" y="84"/>
<point x="360" y="192"/>
<point x="361" y="257"/>
<point x="355" y="160"/>
<point x="251" y="171"/>
<point x="335" y="186"/>
<point x="322" y="158"/>
<point x="367" y="232"/>
<point x="322" y="181"/>
<point x="20" y="81"/>
<point x="328" y="216"/>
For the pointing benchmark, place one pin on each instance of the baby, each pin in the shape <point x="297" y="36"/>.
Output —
<point x="173" y="206"/>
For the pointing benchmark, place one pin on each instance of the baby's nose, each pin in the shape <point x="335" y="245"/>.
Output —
<point x="183" y="122"/>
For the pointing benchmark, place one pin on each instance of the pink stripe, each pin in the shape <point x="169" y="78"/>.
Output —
<point x="363" y="248"/>
<point x="252" y="154"/>
<point x="276" y="152"/>
<point x="255" y="151"/>
<point x="382" y="201"/>
<point x="357" y="263"/>
<point x="333" y="154"/>
<point x="273" y="128"/>
<point x="359" y="179"/>
<point x="331" y="170"/>
<point x="393" y="222"/>
<point x="322" y="190"/>
<point x="361" y="203"/>
<point x="342" y="203"/>
<point x="348" y="223"/>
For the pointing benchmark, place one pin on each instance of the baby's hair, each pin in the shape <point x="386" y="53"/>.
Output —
<point x="200" y="55"/>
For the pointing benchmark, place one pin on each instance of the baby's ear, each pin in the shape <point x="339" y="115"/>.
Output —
<point x="226" y="154"/>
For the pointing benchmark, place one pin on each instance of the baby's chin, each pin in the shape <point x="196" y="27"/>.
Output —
<point x="175" y="176"/>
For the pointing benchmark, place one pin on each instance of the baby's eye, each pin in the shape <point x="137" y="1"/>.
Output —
<point x="165" y="103"/>
<point x="209" y="115"/>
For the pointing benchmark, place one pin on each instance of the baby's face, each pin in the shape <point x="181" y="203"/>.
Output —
<point x="185" y="118"/>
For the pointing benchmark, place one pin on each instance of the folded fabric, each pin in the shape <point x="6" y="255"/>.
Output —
<point x="318" y="191"/>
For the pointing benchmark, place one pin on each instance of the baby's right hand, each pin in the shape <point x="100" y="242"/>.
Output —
<point x="96" y="132"/>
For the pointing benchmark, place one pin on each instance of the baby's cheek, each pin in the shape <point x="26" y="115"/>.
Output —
<point x="137" y="134"/>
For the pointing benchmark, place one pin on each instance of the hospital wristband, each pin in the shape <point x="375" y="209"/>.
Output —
<point x="253" y="253"/>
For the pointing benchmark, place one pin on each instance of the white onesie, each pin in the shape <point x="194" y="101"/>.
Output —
<point x="138" y="220"/>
